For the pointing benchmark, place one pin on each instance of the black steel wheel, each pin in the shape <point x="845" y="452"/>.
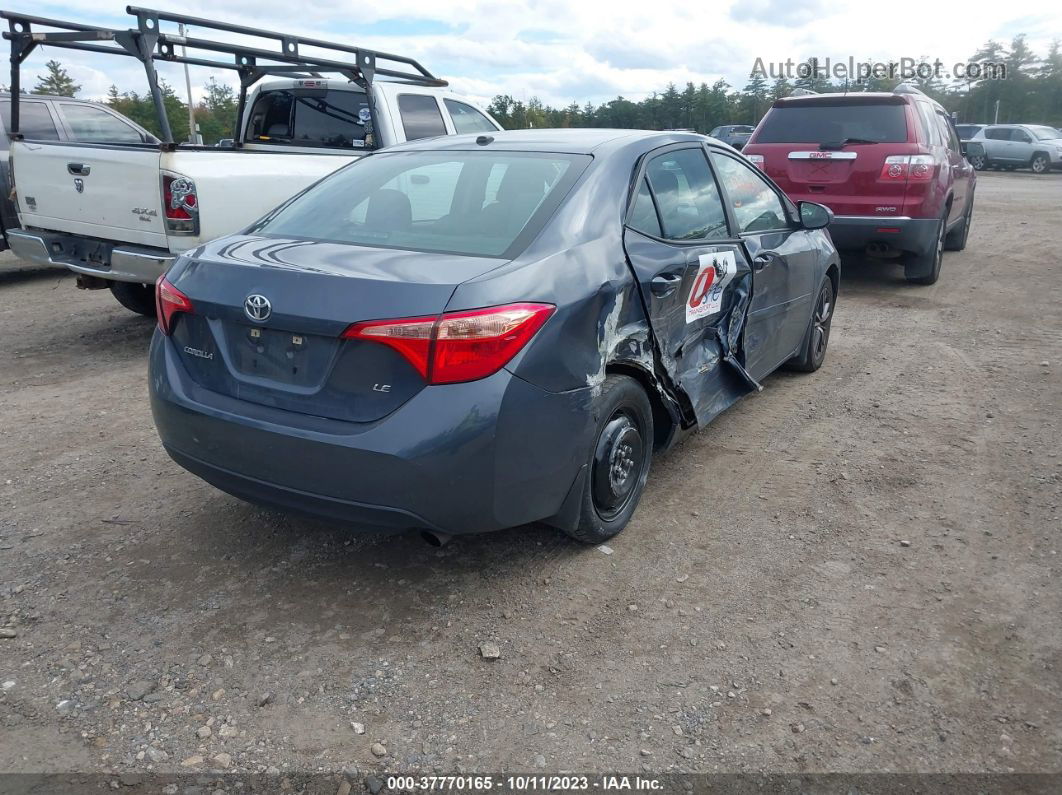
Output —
<point x="619" y="460"/>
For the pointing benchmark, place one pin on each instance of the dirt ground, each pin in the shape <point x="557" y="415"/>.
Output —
<point x="852" y="571"/>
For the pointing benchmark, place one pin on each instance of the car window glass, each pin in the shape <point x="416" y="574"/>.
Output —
<point x="756" y="205"/>
<point x="929" y="124"/>
<point x="832" y="121"/>
<point x="948" y="132"/>
<point x="89" y="124"/>
<point x="421" y="117"/>
<point x="643" y="214"/>
<point x="1021" y="136"/>
<point x="687" y="196"/>
<point x="998" y="133"/>
<point x="466" y="118"/>
<point x="472" y="203"/>
<point x="34" y="120"/>
<point x="310" y="117"/>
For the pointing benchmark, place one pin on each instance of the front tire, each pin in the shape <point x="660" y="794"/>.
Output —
<point x="620" y="456"/>
<point x="925" y="268"/>
<point x="1040" y="164"/>
<point x="818" y="335"/>
<point x="139" y="298"/>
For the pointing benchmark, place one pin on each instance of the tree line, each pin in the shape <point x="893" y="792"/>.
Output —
<point x="1031" y="93"/>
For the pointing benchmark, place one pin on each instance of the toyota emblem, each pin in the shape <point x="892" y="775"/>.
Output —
<point x="257" y="307"/>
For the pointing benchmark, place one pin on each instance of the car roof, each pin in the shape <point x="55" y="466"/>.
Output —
<point x="567" y="140"/>
<point x="50" y="98"/>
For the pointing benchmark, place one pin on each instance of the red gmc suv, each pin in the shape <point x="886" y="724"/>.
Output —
<point x="890" y="167"/>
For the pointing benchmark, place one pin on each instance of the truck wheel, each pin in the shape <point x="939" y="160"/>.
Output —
<point x="1040" y="164"/>
<point x="925" y="268"/>
<point x="619" y="460"/>
<point x="139" y="298"/>
<point x="956" y="239"/>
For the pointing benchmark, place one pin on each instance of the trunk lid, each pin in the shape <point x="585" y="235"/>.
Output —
<point x="104" y="191"/>
<point x="295" y="358"/>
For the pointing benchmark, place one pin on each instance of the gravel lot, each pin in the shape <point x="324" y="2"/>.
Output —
<point x="853" y="571"/>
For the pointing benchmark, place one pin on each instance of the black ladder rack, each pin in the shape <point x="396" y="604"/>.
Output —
<point x="148" y="43"/>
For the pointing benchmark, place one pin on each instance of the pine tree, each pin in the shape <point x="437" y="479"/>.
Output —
<point x="56" y="82"/>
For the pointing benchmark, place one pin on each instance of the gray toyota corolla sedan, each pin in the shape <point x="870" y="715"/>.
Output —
<point x="469" y="333"/>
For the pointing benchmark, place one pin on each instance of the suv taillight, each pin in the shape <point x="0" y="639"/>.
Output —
<point x="458" y="346"/>
<point x="756" y="160"/>
<point x="168" y="302"/>
<point x="907" y="167"/>
<point x="180" y="205"/>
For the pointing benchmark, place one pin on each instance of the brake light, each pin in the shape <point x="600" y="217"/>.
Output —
<point x="756" y="160"/>
<point x="168" y="302"/>
<point x="180" y="205"/>
<point x="904" y="167"/>
<point x="458" y="346"/>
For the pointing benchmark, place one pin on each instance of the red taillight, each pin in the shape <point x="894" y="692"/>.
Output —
<point x="458" y="346"/>
<point x="168" y="302"/>
<point x="180" y="205"/>
<point x="907" y="167"/>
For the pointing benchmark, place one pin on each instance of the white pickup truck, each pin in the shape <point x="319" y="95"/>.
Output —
<point x="117" y="212"/>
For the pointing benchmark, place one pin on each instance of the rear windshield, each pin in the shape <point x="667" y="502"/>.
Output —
<point x="967" y="130"/>
<point x="816" y="124"/>
<point x="310" y="117"/>
<point x="475" y="203"/>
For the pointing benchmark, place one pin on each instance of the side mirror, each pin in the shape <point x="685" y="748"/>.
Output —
<point x="814" y="215"/>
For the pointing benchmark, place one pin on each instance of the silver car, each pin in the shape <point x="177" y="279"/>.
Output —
<point x="1012" y="146"/>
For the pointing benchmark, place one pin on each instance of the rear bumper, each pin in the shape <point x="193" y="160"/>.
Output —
<point x="460" y="458"/>
<point x="90" y="257"/>
<point x="915" y="235"/>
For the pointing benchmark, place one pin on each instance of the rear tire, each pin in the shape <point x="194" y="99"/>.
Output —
<point x="139" y="298"/>
<point x="619" y="460"/>
<point x="925" y="268"/>
<point x="979" y="162"/>
<point x="956" y="239"/>
<point x="1040" y="164"/>
<point x="818" y="335"/>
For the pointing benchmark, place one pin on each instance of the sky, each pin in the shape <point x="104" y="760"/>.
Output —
<point x="588" y="51"/>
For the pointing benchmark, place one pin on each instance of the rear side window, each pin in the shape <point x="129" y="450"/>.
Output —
<point x="967" y="131"/>
<point x="820" y="123"/>
<point x="951" y="140"/>
<point x="472" y="203"/>
<point x="688" y="198"/>
<point x="310" y="117"/>
<point x="93" y="125"/>
<point x="421" y="117"/>
<point x="34" y="120"/>
<point x="997" y="133"/>
<point x="643" y="214"/>
<point x="467" y="119"/>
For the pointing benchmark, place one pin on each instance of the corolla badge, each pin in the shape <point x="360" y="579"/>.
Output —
<point x="79" y="185"/>
<point x="257" y="307"/>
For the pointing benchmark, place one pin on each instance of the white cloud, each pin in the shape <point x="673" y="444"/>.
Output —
<point x="588" y="51"/>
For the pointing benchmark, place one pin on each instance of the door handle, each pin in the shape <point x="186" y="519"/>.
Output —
<point x="763" y="259"/>
<point x="665" y="284"/>
<point x="80" y="169"/>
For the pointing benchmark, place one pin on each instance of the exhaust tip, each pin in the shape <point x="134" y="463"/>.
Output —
<point x="435" y="539"/>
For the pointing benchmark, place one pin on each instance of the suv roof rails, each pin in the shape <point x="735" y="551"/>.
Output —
<point x="802" y="92"/>
<point x="908" y="88"/>
<point x="148" y="43"/>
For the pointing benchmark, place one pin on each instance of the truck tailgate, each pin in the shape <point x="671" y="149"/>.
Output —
<point x="97" y="190"/>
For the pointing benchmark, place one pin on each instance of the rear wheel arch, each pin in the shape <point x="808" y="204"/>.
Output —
<point x="664" y="423"/>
